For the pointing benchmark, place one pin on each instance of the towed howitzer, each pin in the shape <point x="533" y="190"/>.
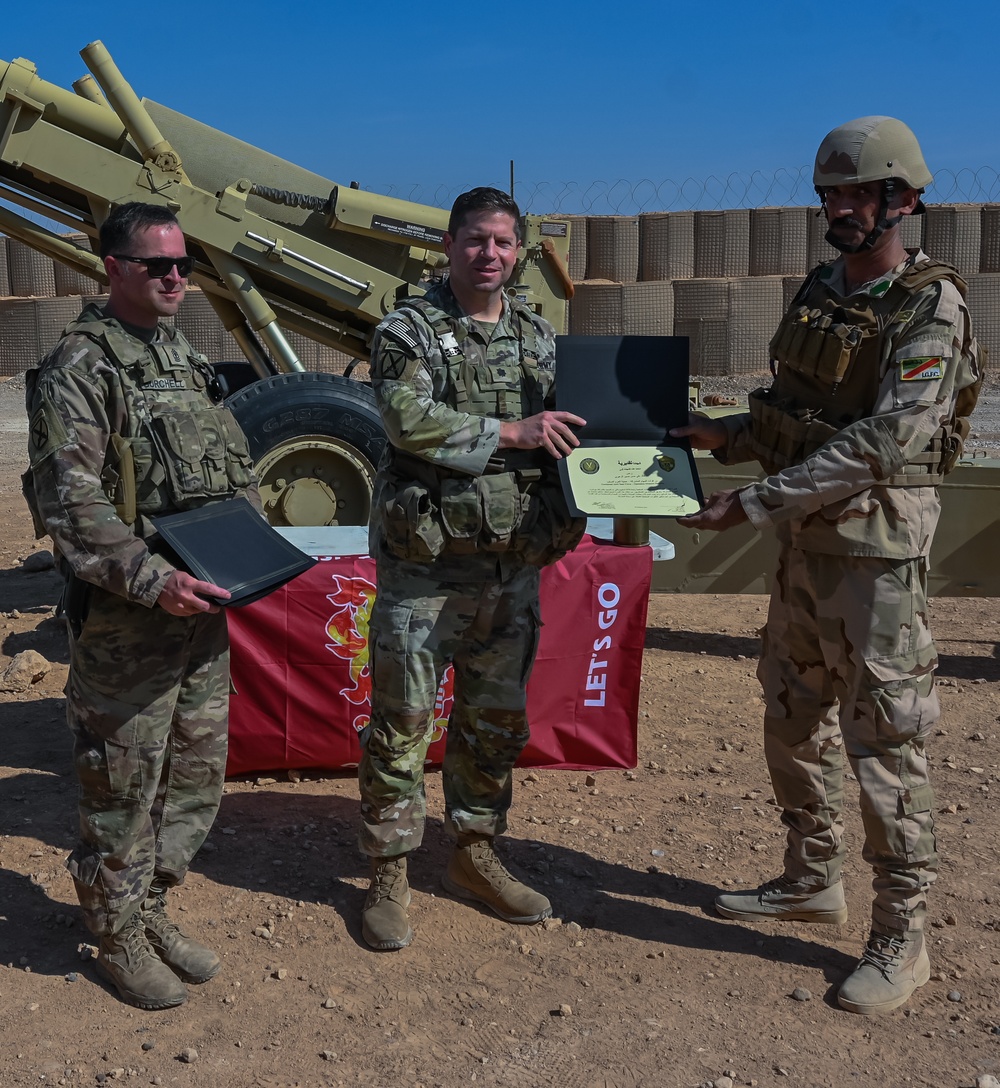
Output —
<point x="276" y="249"/>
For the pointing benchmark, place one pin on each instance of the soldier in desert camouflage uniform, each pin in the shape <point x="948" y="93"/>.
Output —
<point x="466" y="509"/>
<point x="124" y="425"/>
<point x="876" y="371"/>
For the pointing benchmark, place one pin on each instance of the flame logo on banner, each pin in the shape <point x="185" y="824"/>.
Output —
<point x="347" y="630"/>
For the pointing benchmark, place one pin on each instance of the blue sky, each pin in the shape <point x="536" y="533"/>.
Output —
<point x="428" y="99"/>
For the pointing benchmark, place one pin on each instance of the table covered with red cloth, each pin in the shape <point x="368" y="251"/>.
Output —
<point x="302" y="679"/>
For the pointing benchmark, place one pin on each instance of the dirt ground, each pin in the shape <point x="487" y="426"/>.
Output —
<point x="636" y="982"/>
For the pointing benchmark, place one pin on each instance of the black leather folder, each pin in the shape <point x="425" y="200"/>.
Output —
<point x="229" y="544"/>
<point x="631" y="390"/>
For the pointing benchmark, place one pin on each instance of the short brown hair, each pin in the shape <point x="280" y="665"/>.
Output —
<point x="483" y="199"/>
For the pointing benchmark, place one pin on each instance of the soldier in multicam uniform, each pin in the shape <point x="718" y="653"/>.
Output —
<point x="124" y="424"/>
<point x="467" y="508"/>
<point x="876" y="371"/>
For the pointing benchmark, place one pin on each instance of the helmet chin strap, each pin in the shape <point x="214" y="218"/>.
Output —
<point x="882" y="224"/>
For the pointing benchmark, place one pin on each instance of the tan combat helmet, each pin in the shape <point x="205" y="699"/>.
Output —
<point x="872" y="149"/>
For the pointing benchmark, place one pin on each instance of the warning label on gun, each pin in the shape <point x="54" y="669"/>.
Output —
<point x="417" y="232"/>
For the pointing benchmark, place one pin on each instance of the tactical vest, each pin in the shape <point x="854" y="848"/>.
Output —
<point x="178" y="449"/>
<point x="517" y="504"/>
<point x="827" y="361"/>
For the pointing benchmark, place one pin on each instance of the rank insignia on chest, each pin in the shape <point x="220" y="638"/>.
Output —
<point x="920" y="369"/>
<point x="449" y="345"/>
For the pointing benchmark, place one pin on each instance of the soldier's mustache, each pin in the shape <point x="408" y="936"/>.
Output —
<point x="847" y="221"/>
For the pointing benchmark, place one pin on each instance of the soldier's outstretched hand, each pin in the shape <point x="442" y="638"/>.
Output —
<point x="704" y="433"/>
<point x="551" y="431"/>
<point x="185" y="595"/>
<point x="722" y="511"/>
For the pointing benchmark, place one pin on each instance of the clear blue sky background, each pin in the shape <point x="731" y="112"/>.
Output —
<point x="420" y="99"/>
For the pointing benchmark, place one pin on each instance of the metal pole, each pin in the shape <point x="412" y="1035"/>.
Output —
<point x="632" y="532"/>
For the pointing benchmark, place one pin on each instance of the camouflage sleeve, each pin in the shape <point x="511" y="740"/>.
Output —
<point x="924" y="370"/>
<point x="545" y="335"/>
<point x="405" y="362"/>
<point x="68" y="435"/>
<point x="739" y="429"/>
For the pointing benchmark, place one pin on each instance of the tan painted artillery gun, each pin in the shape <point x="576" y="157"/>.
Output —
<point x="277" y="249"/>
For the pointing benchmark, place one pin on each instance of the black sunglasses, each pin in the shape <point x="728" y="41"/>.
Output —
<point x="158" y="267"/>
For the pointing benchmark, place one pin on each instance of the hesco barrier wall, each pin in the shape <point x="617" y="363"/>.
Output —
<point x="724" y="278"/>
<point x="39" y="297"/>
<point x="721" y="278"/>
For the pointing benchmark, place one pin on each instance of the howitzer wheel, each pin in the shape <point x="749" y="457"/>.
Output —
<point x="315" y="440"/>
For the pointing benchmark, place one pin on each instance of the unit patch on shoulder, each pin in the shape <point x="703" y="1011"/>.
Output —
<point x="923" y="368"/>
<point x="39" y="430"/>
<point x="46" y="433"/>
<point x="391" y="362"/>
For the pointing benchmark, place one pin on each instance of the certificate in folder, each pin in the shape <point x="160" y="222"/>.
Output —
<point x="631" y="390"/>
<point x="229" y="544"/>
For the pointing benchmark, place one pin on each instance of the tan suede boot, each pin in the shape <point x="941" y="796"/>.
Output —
<point x="140" y="976"/>
<point x="783" y="900"/>
<point x="384" y="922"/>
<point x="192" y="961"/>
<point x="475" y="872"/>
<point x="892" y="966"/>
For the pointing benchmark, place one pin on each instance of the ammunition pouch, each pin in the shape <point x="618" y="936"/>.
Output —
<point x="465" y="514"/>
<point x="118" y="478"/>
<point x="480" y="513"/>
<point x="822" y="346"/>
<point x="929" y="468"/>
<point x="513" y="507"/>
<point x="411" y="522"/>
<point x="194" y="456"/>
<point x="548" y="530"/>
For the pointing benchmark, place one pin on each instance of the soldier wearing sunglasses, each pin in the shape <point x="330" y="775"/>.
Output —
<point x="124" y="425"/>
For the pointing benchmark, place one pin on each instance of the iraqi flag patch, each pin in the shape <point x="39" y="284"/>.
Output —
<point x="922" y="368"/>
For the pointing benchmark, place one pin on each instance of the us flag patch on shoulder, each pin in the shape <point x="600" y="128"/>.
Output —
<point x="399" y="330"/>
<point x="922" y="368"/>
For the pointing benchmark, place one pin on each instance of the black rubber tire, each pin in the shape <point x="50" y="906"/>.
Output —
<point x="283" y="407"/>
<point x="319" y="427"/>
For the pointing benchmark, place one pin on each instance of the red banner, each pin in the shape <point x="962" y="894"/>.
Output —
<point x="302" y="680"/>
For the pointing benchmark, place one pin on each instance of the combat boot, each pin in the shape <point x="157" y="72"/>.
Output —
<point x="142" y="979"/>
<point x="784" y="900"/>
<point x="893" y="965"/>
<point x="384" y="922"/>
<point x="192" y="961"/>
<point x="475" y="872"/>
